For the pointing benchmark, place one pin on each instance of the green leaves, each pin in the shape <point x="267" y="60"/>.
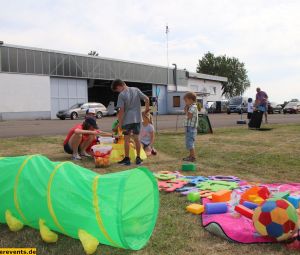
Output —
<point x="229" y="67"/>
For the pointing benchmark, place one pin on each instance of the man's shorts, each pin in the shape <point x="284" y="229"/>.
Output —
<point x="131" y="128"/>
<point x="190" y="136"/>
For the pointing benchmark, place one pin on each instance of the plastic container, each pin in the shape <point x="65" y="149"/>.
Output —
<point x="215" y="208"/>
<point x="102" y="155"/>
<point x="106" y="140"/>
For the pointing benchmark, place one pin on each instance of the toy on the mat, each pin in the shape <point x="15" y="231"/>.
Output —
<point x="193" y="196"/>
<point x="194" y="180"/>
<point x="217" y="185"/>
<point x="276" y="218"/>
<point x="215" y="208"/>
<point x="245" y="211"/>
<point x="187" y="189"/>
<point x="250" y="205"/>
<point x="66" y="198"/>
<point x="165" y="175"/>
<point x="188" y="167"/>
<point x="221" y="196"/>
<point x="256" y="194"/>
<point x="171" y="185"/>
<point x="195" y="208"/>
<point x="224" y="178"/>
<point x="281" y="195"/>
<point x="294" y="200"/>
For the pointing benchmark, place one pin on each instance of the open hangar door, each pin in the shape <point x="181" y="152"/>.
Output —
<point x="100" y="91"/>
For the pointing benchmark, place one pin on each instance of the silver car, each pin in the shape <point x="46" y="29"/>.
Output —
<point x="79" y="111"/>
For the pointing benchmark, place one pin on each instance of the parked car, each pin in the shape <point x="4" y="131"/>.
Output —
<point x="79" y="111"/>
<point x="238" y="105"/>
<point x="292" y="107"/>
<point x="274" y="108"/>
<point x="219" y="107"/>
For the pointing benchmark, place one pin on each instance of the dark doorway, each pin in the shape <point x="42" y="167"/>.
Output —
<point x="99" y="91"/>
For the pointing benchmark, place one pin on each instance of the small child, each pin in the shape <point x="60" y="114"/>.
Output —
<point x="90" y="113"/>
<point x="250" y="108"/>
<point x="190" y="124"/>
<point x="147" y="134"/>
<point x="115" y="125"/>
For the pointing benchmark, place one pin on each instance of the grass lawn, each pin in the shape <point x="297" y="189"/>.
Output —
<point x="269" y="156"/>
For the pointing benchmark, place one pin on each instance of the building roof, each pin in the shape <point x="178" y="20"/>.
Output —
<point x="23" y="59"/>
<point x="207" y="77"/>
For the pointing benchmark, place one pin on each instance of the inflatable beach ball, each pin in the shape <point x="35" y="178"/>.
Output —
<point x="276" y="218"/>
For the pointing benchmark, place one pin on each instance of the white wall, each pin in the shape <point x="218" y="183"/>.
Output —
<point x="212" y="87"/>
<point x="24" y="94"/>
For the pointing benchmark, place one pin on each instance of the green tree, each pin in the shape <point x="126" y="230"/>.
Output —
<point x="229" y="67"/>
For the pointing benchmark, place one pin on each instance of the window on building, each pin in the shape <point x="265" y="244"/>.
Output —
<point x="176" y="101"/>
<point x="4" y="59"/>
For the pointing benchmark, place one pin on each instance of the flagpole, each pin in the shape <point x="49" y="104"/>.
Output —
<point x="167" y="37"/>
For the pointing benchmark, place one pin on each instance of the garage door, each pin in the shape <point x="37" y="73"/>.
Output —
<point x="66" y="92"/>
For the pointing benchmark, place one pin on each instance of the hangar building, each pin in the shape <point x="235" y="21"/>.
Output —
<point x="37" y="83"/>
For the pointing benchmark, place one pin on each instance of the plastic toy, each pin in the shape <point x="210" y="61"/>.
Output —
<point x="282" y="195"/>
<point x="224" y="178"/>
<point x="118" y="209"/>
<point x="250" y="205"/>
<point x="187" y="189"/>
<point x="221" y="196"/>
<point x="188" y="167"/>
<point x="294" y="200"/>
<point x="215" y="208"/>
<point x="206" y="194"/>
<point x="194" y="180"/>
<point x="118" y="153"/>
<point x="256" y="194"/>
<point x="243" y="210"/>
<point x="276" y="218"/>
<point x="217" y="185"/>
<point x="193" y="196"/>
<point x="195" y="208"/>
<point x="165" y="175"/>
<point x="172" y="185"/>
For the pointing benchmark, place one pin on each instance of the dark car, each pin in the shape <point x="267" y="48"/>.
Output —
<point x="274" y="108"/>
<point x="292" y="107"/>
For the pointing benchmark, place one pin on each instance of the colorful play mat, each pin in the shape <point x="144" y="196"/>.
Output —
<point x="238" y="210"/>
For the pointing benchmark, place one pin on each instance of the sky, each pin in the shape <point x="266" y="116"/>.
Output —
<point x="264" y="34"/>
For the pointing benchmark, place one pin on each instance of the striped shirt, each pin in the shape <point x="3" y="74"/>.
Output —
<point x="193" y="122"/>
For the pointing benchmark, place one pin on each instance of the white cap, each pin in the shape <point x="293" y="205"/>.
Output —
<point x="91" y="110"/>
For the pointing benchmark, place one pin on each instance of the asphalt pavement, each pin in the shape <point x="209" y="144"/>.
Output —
<point x="164" y="122"/>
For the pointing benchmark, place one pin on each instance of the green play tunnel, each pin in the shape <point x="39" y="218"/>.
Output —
<point x="118" y="209"/>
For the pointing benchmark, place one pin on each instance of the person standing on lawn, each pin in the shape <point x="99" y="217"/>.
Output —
<point x="190" y="124"/>
<point x="262" y="102"/>
<point x="129" y="116"/>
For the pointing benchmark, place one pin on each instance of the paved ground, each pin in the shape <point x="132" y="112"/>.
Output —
<point x="60" y="127"/>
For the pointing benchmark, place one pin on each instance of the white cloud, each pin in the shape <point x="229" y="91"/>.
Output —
<point x="263" y="34"/>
